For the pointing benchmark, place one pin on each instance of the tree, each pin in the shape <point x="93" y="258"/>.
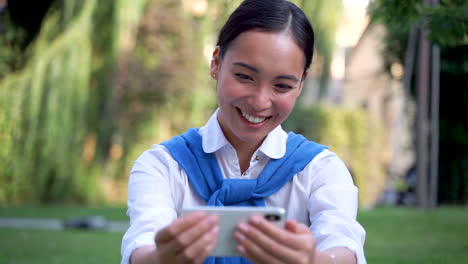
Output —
<point x="448" y="29"/>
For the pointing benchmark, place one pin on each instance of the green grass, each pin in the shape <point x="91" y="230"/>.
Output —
<point x="394" y="236"/>
<point x="55" y="247"/>
<point x="413" y="236"/>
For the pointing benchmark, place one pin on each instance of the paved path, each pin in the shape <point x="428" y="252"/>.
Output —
<point x="57" y="224"/>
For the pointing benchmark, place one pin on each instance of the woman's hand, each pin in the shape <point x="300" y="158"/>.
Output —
<point x="189" y="239"/>
<point x="262" y="242"/>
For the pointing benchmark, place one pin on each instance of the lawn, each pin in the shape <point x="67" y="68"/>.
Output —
<point x="55" y="247"/>
<point x="394" y="236"/>
<point x="413" y="236"/>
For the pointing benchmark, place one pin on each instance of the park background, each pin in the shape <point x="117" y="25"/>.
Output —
<point x="87" y="86"/>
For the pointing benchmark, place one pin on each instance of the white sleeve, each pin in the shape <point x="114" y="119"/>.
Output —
<point x="333" y="207"/>
<point x="150" y="200"/>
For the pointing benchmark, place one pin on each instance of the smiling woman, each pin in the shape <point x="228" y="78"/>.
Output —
<point x="257" y="87"/>
<point x="243" y="157"/>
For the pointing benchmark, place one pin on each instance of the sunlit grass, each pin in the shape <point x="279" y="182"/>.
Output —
<point x="39" y="246"/>
<point x="408" y="235"/>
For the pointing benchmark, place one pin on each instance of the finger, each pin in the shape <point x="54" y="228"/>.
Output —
<point x="285" y="237"/>
<point x="177" y="226"/>
<point x="297" y="228"/>
<point x="200" y="249"/>
<point x="302" y="229"/>
<point x="291" y="226"/>
<point x="192" y="234"/>
<point x="266" y="245"/>
<point x="252" y="251"/>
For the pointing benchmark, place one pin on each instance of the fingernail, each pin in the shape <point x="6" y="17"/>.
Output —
<point x="199" y="214"/>
<point x="243" y="227"/>
<point x="255" y="219"/>
<point x="239" y="236"/>
<point x="215" y="230"/>
<point x="241" y="249"/>
<point x="212" y="219"/>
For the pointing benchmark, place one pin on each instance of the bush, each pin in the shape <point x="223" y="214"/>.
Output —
<point x="354" y="136"/>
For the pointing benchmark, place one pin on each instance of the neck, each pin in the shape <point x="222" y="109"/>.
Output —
<point x="244" y="150"/>
<point x="244" y="154"/>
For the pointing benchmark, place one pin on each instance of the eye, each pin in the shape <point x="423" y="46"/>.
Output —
<point x="283" y="87"/>
<point x="244" y="77"/>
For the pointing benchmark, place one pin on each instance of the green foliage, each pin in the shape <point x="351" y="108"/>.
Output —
<point x="448" y="23"/>
<point x="47" y="111"/>
<point x="45" y="114"/>
<point x="353" y="135"/>
<point x="11" y="54"/>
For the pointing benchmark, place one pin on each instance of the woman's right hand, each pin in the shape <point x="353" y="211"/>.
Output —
<point x="188" y="239"/>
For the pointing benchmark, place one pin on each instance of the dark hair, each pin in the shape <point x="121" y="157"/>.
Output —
<point x="272" y="16"/>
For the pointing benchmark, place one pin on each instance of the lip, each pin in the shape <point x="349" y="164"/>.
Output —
<point x="250" y="124"/>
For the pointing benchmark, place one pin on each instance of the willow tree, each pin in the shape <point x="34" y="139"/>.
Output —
<point x="47" y="107"/>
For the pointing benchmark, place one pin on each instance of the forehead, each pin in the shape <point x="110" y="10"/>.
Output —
<point x="274" y="51"/>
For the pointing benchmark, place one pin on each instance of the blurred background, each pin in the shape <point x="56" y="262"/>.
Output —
<point x="87" y="86"/>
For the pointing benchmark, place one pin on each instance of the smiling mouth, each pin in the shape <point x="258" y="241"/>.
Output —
<point x="251" y="118"/>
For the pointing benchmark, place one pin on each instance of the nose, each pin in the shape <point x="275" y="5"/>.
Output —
<point x="261" y="99"/>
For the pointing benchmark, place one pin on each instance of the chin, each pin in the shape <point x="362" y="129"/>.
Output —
<point x="252" y="138"/>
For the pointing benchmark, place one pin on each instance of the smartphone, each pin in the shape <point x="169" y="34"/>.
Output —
<point x="229" y="217"/>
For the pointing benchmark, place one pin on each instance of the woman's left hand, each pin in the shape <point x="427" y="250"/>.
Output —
<point x="262" y="242"/>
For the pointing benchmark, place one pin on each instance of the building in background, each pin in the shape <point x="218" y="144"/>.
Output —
<point x="360" y="79"/>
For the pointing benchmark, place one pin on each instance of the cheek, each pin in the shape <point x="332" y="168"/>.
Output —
<point x="228" y="91"/>
<point x="285" y="105"/>
<point x="222" y="92"/>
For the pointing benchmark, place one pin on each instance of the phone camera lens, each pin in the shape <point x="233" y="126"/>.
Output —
<point x="272" y="218"/>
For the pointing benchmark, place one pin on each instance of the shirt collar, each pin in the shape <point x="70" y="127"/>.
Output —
<point x="274" y="145"/>
<point x="213" y="139"/>
<point x="212" y="136"/>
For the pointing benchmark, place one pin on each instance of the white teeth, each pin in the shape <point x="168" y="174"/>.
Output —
<point x="253" y="119"/>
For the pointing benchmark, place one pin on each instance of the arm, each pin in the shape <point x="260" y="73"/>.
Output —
<point x="332" y="210"/>
<point x="145" y="255"/>
<point x="187" y="240"/>
<point x="337" y="255"/>
<point x="153" y="199"/>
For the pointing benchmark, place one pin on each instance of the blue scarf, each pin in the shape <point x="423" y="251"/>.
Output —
<point x="205" y="176"/>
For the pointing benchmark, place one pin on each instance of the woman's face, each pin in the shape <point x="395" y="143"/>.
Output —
<point x="259" y="80"/>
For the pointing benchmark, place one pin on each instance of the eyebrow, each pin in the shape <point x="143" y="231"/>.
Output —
<point x="252" y="68"/>
<point x="288" y="77"/>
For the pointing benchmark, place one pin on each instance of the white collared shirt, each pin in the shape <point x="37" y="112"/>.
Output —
<point x="322" y="196"/>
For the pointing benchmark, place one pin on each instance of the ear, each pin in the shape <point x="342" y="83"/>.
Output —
<point x="215" y="63"/>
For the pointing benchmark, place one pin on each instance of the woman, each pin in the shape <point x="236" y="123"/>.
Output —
<point x="260" y="64"/>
